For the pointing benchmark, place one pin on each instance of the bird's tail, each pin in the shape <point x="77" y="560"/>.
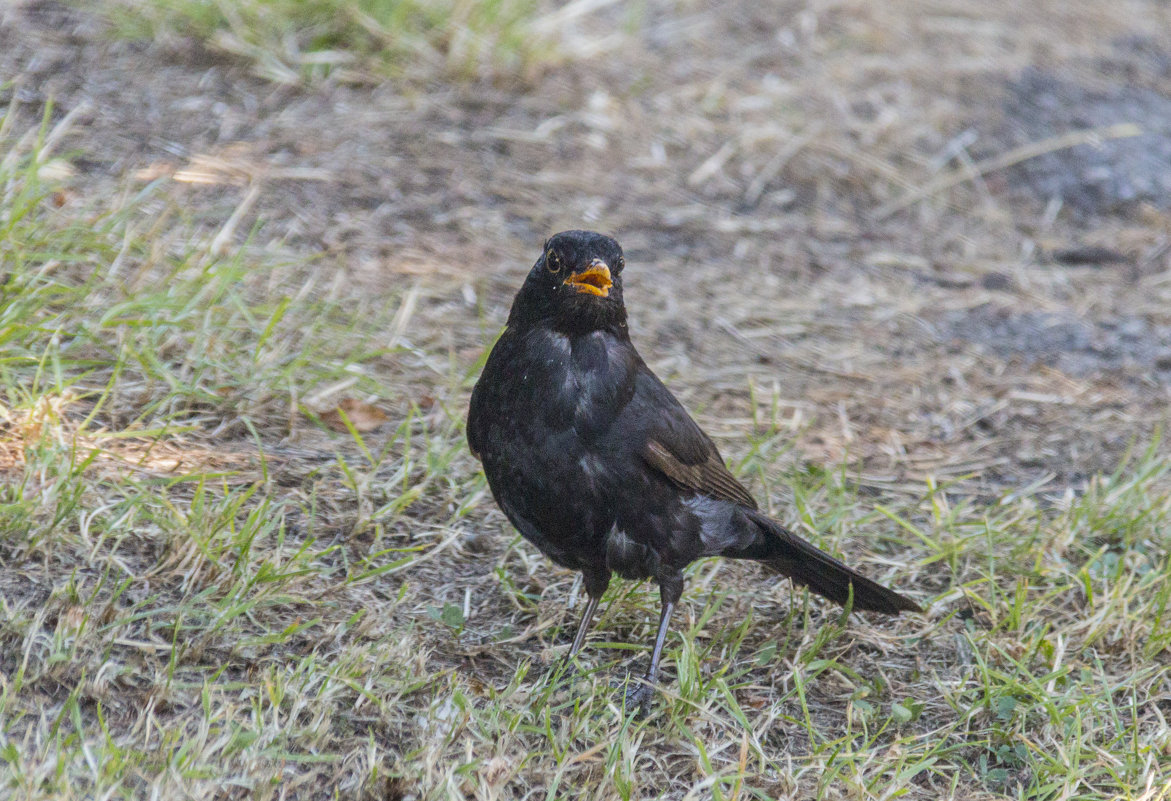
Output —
<point x="803" y="562"/>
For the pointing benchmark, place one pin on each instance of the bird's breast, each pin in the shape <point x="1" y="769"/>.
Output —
<point x="559" y="382"/>
<point x="548" y="402"/>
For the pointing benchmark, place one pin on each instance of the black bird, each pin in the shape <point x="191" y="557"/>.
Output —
<point x="598" y="465"/>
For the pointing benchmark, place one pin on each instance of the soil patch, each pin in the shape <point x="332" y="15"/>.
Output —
<point x="1093" y="178"/>
<point x="1075" y="346"/>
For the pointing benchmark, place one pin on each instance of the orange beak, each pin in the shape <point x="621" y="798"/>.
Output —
<point x="594" y="280"/>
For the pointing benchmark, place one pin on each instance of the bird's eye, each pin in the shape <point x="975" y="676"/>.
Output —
<point x="621" y="264"/>
<point x="553" y="262"/>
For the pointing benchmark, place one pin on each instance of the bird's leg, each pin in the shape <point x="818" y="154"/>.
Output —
<point x="652" y="673"/>
<point x="564" y="666"/>
<point x="595" y="587"/>
<point x="587" y="617"/>
<point x="670" y="590"/>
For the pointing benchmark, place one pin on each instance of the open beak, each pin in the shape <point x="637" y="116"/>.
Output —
<point x="594" y="280"/>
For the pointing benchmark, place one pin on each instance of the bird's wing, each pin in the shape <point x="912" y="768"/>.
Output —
<point x="479" y="404"/>
<point x="473" y="426"/>
<point x="475" y="412"/>
<point x="677" y="447"/>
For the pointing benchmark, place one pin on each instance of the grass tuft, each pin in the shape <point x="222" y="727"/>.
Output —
<point x="294" y="41"/>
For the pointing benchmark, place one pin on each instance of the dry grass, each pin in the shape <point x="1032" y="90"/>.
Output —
<point x="363" y="41"/>
<point x="206" y="591"/>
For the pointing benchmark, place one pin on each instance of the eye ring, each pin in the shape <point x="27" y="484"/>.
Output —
<point x="621" y="263"/>
<point x="553" y="262"/>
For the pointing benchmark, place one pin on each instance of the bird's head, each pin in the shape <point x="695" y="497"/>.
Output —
<point x="576" y="283"/>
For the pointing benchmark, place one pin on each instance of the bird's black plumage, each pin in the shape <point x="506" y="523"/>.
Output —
<point x="597" y="464"/>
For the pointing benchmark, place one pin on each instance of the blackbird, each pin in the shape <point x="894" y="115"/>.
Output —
<point x="598" y="465"/>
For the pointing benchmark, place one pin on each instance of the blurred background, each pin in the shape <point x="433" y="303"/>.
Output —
<point x="940" y="231"/>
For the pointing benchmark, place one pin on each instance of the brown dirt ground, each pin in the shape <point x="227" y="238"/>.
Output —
<point x="742" y="157"/>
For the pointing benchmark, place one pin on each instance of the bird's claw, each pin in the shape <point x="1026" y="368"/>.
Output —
<point x="563" y="671"/>
<point x="636" y="694"/>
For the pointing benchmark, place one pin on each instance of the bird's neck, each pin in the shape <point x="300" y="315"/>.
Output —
<point x="578" y="327"/>
<point x="584" y="319"/>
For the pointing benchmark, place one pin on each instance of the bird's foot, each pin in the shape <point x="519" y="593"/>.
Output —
<point x="637" y="694"/>
<point x="557" y="681"/>
<point x="563" y="671"/>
